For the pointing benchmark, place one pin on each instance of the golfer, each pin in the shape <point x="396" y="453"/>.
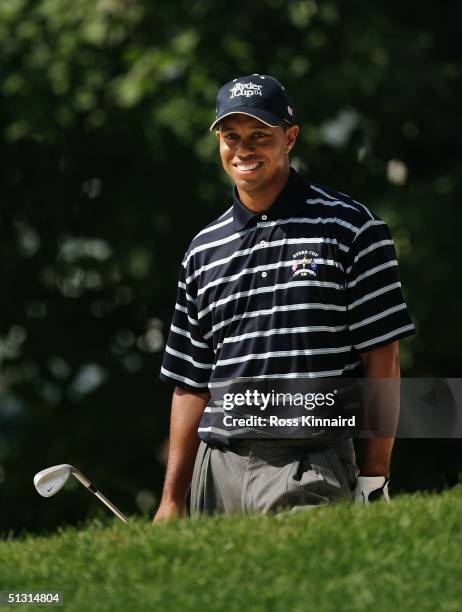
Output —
<point x="293" y="281"/>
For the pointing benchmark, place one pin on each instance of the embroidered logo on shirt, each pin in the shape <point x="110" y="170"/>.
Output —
<point x="305" y="264"/>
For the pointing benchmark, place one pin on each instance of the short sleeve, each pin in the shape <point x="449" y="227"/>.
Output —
<point x="377" y="313"/>
<point x="188" y="358"/>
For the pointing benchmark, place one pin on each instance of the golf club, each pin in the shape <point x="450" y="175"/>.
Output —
<point x="51" y="480"/>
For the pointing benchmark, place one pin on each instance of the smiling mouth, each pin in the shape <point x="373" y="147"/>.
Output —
<point x="248" y="167"/>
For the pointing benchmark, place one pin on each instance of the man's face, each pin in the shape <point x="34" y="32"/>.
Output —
<point x="252" y="153"/>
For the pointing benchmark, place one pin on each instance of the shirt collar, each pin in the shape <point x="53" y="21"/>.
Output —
<point x="289" y="202"/>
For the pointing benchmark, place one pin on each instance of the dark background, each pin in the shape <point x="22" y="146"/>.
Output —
<point x="108" y="170"/>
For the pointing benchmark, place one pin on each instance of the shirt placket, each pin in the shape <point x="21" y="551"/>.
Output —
<point x="264" y="277"/>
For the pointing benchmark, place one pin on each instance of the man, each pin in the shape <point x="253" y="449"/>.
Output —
<point x="294" y="280"/>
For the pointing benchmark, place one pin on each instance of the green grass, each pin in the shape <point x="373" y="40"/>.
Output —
<point x="405" y="556"/>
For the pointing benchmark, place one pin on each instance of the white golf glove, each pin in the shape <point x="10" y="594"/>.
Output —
<point x="370" y="488"/>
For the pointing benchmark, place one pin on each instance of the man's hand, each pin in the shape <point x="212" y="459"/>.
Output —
<point x="168" y="510"/>
<point x="371" y="488"/>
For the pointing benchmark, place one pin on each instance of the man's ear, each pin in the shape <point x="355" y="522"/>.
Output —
<point x="291" y="136"/>
<point x="217" y="134"/>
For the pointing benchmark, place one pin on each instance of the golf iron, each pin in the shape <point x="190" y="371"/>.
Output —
<point x="52" y="479"/>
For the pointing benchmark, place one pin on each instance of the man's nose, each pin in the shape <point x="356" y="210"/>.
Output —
<point x="245" y="146"/>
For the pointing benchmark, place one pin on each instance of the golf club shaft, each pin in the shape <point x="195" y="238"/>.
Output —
<point x="86" y="483"/>
<point x="110" y="505"/>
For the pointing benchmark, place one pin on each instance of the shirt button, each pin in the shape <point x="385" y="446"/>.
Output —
<point x="262" y="243"/>
<point x="264" y="217"/>
<point x="264" y="274"/>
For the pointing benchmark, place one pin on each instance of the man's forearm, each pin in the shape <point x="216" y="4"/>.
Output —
<point x="186" y="413"/>
<point x="377" y="457"/>
<point x="382" y="363"/>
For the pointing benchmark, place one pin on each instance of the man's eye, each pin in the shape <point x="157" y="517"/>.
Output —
<point x="259" y="134"/>
<point x="230" y="136"/>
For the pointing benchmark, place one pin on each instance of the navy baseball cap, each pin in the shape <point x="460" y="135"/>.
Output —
<point x="256" y="95"/>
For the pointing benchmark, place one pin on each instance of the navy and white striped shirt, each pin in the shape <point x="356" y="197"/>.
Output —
<point x="299" y="290"/>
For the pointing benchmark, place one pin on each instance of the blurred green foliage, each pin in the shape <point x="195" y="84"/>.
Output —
<point x="108" y="170"/>
<point x="404" y="556"/>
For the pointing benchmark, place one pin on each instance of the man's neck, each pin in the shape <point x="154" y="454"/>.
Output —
<point x="257" y="201"/>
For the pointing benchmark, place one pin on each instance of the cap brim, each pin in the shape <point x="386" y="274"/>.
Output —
<point x="267" y="118"/>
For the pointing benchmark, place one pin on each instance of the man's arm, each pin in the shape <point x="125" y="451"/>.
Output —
<point x="186" y="412"/>
<point x="382" y="362"/>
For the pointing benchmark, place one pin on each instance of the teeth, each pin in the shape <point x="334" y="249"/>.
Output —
<point x="248" y="166"/>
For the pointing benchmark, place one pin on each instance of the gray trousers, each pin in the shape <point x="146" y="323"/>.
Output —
<point x="271" y="475"/>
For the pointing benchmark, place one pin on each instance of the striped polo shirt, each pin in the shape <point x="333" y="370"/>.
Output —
<point x="299" y="290"/>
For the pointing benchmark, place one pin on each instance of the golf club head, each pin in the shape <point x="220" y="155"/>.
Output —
<point x="52" y="479"/>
